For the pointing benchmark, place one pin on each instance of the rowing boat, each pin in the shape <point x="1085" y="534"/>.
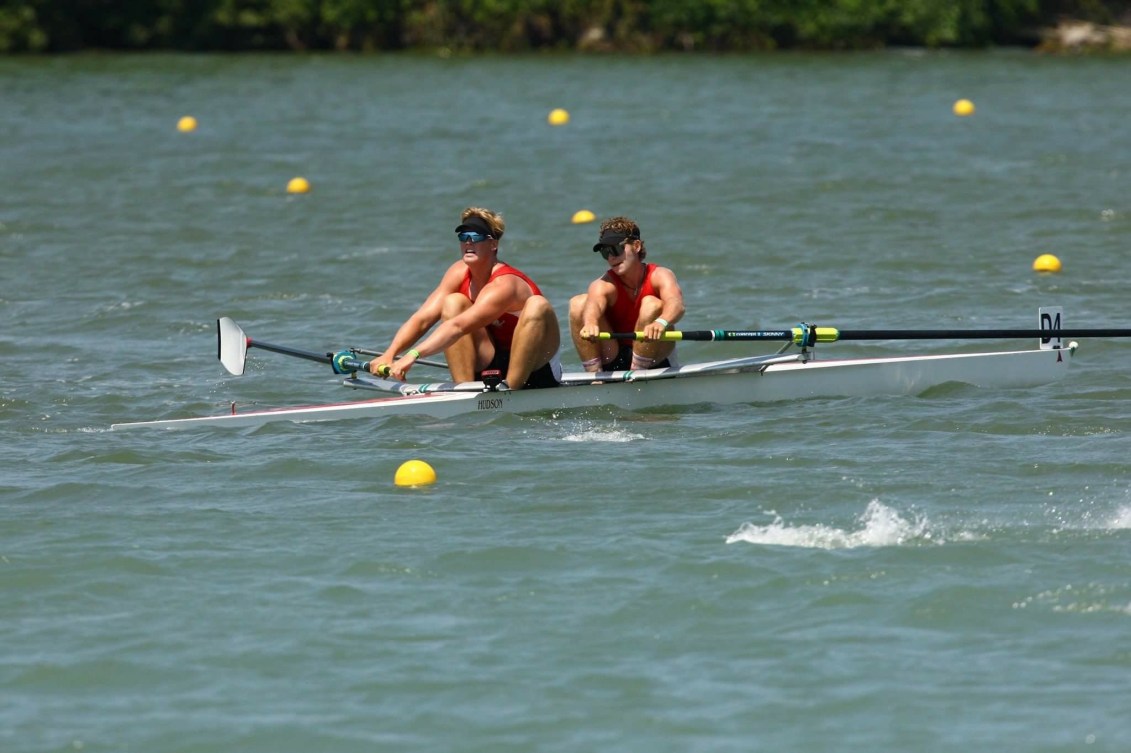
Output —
<point x="754" y="379"/>
<point x="731" y="381"/>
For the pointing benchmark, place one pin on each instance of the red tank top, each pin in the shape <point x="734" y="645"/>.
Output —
<point x="502" y="329"/>
<point x="626" y="309"/>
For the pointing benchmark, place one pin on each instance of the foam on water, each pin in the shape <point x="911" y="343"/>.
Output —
<point x="1089" y="515"/>
<point x="598" y="432"/>
<point x="880" y="526"/>
<point x="1121" y="519"/>
<point x="1090" y="598"/>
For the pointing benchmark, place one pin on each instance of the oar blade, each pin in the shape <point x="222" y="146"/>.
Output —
<point x="231" y="345"/>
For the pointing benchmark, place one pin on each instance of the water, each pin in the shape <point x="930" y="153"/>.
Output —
<point x="943" y="572"/>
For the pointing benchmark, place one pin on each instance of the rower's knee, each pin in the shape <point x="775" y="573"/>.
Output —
<point x="650" y="308"/>
<point x="538" y="308"/>
<point x="454" y="304"/>
<point x="577" y="306"/>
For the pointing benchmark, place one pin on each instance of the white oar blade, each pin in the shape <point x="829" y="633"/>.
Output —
<point x="232" y="345"/>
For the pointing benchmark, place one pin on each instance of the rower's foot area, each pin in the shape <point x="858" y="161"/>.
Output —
<point x="493" y="381"/>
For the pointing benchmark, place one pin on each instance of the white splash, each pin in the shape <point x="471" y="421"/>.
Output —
<point x="880" y="526"/>
<point x="602" y="433"/>
<point x="1091" y="515"/>
<point x="1121" y="519"/>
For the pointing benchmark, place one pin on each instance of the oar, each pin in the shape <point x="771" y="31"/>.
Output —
<point x="232" y="344"/>
<point x="809" y="335"/>
<point x="421" y="361"/>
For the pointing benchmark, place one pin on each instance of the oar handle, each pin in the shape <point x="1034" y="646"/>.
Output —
<point x="421" y="361"/>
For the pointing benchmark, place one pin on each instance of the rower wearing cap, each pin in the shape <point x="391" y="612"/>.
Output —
<point x="493" y="317"/>
<point x="631" y="296"/>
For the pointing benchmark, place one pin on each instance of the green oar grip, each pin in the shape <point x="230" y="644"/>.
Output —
<point x="809" y="335"/>
<point x="636" y="336"/>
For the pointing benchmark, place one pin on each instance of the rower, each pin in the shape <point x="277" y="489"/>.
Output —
<point x="631" y="295"/>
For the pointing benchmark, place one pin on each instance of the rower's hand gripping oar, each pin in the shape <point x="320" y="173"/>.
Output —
<point x="232" y="345"/>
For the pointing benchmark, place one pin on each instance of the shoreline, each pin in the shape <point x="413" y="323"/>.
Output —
<point x="1075" y="36"/>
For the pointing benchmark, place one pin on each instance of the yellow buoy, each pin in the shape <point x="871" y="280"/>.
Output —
<point x="557" y="117"/>
<point x="581" y="216"/>
<point x="298" y="185"/>
<point x="1046" y="263"/>
<point x="414" y="473"/>
<point x="186" y="124"/>
<point x="963" y="107"/>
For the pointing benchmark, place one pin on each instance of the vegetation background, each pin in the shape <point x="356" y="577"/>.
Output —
<point x="457" y="26"/>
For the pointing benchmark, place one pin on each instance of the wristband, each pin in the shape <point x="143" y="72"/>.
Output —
<point x="663" y="321"/>
<point x="414" y="353"/>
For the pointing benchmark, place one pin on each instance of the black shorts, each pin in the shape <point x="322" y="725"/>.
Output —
<point x="623" y="361"/>
<point x="540" y="378"/>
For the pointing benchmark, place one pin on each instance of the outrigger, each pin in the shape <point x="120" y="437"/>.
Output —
<point x="753" y="379"/>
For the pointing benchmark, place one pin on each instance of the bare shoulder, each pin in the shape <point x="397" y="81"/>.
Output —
<point x="663" y="275"/>
<point x="508" y="281"/>
<point x="503" y="293"/>
<point x="603" y="285"/>
<point x="453" y="276"/>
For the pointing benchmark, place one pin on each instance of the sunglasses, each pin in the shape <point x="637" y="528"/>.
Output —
<point x="607" y="252"/>
<point x="466" y="237"/>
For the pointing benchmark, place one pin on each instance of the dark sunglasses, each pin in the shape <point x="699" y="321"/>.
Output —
<point x="608" y="252"/>
<point x="466" y="237"/>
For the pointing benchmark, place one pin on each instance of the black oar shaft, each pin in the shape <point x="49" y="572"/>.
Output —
<point x="341" y="365"/>
<point x="288" y="351"/>
<point x="975" y="334"/>
<point x="357" y="364"/>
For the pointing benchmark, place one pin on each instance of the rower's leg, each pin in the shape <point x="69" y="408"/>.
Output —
<point x="472" y="351"/>
<point x="536" y="340"/>
<point x="644" y="354"/>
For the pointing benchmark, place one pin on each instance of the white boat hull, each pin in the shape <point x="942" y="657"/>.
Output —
<point x="736" y="381"/>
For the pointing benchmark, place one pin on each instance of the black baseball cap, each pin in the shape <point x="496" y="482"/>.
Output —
<point x="475" y="224"/>
<point x="613" y="238"/>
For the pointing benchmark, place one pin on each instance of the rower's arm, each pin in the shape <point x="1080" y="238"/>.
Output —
<point x="671" y="298"/>
<point x="599" y="299"/>
<point x="422" y="319"/>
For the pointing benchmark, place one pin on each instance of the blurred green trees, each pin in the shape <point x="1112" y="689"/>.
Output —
<point x="523" y="25"/>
